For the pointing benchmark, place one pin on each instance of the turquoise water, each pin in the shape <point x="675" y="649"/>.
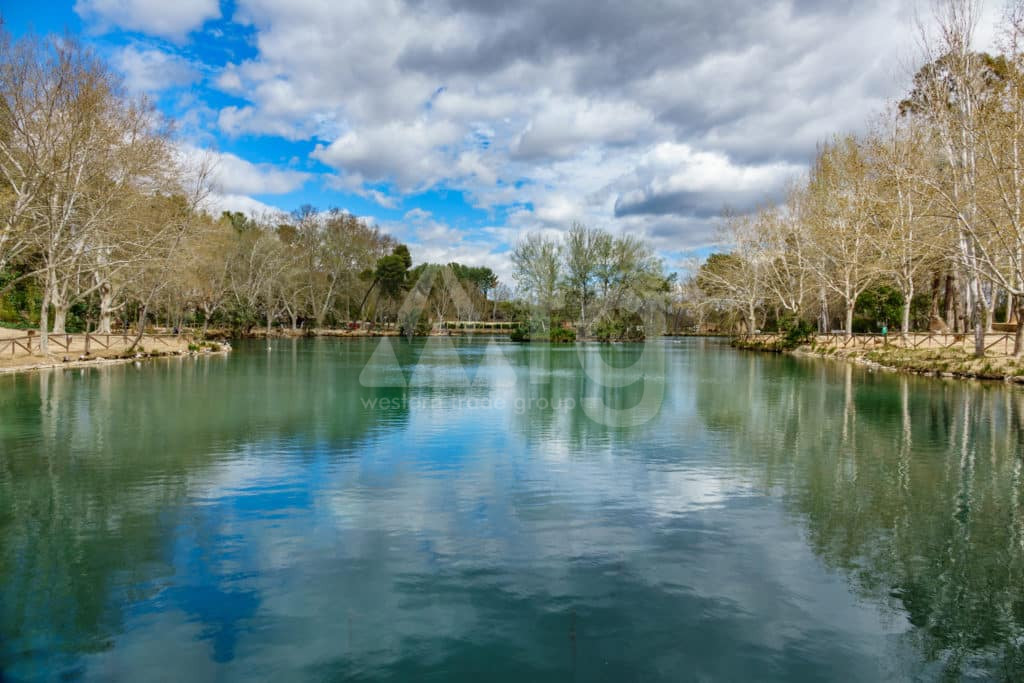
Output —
<point x="483" y="510"/>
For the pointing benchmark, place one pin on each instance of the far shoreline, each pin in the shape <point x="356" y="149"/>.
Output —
<point x="934" y="363"/>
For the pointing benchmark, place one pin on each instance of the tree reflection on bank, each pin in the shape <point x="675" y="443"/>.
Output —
<point x="265" y="513"/>
<point x="117" y="450"/>
<point x="911" y="486"/>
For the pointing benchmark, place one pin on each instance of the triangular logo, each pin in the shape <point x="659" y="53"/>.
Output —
<point x="383" y="368"/>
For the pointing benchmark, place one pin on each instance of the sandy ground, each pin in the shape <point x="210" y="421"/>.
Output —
<point x="101" y="349"/>
<point x="997" y="343"/>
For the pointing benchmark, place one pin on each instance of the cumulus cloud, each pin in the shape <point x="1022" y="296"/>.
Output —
<point x="675" y="179"/>
<point x="148" y="69"/>
<point x="646" y="118"/>
<point x="434" y="241"/>
<point x="235" y="176"/>
<point x="409" y="154"/>
<point x="218" y="202"/>
<point x="564" y="126"/>
<point x="173" y="20"/>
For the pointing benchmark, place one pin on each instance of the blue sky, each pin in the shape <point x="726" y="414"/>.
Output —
<point x="460" y="126"/>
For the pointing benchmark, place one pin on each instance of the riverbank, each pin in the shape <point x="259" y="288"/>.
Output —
<point x="288" y="333"/>
<point x="38" y="362"/>
<point x="934" y="362"/>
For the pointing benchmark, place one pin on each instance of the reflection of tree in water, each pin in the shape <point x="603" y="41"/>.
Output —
<point x="97" y="465"/>
<point x="911" y="486"/>
<point x="553" y="386"/>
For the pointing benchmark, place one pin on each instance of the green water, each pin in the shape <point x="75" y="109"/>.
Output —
<point x="500" y="512"/>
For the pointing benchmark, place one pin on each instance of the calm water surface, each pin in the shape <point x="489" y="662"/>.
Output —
<point x="268" y="516"/>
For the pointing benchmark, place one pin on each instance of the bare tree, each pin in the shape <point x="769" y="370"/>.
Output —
<point x="840" y="224"/>
<point x="537" y="263"/>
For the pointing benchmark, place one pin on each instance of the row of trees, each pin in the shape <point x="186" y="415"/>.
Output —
<point x="93" y="195"/>
<point x="929" y="204"/>
<point x="103" y="220"/>
<point x="609" y="286"/>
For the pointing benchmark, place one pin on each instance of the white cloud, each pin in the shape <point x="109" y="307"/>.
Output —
<point x="217" y="202"/>
<point x="233" y="175"/>
<point x="673" y="178"/>
<point x="410" y="155"/>
<point x="647" y="118"/>
<point x="171" y="19"/>
<point x="434" y="241"/>
<point x="236" y="175"/>
<point x="565" y="125"/>
<point x="150" y="69"/>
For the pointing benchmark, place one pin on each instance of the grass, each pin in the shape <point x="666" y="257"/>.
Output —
<point x="947" y="361"/>
<point x="954" y="362"/>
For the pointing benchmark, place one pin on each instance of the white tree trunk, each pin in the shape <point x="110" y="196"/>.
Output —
<point x="106" y="309"/>
<point x="60" y="318"/>
<point x="44" y="324"/>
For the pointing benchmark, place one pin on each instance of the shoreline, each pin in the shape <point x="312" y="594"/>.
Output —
<point x="38" y="364"/>
<point x="936" y="363"/>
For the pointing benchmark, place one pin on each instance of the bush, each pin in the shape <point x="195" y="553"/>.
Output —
<point x="557" y="335"/>
<point x="560" y="335"/>
<point x="798" y="333"/>
<point x="881" y="305"/>
<point x="521" y="333"/>
<point x="619" y="326"/>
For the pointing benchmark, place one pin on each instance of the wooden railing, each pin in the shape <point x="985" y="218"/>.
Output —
<point x="477" y="325"/>
<point x="997" y="342"/>
<point x="29" y="344"/>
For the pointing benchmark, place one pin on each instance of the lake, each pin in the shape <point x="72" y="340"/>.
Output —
<point x="457" y="509"/>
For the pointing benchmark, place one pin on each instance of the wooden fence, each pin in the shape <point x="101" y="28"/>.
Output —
<point x="28" y="345"/>
<point x="492" y="326"/>
<point x="1001" y="343"/>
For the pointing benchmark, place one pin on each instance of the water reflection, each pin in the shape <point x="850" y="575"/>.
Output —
<point x="261" y="516"/>
<point x="913" y="488"/>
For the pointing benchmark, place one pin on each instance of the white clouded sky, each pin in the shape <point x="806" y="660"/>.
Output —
<point x="494" y="118"/>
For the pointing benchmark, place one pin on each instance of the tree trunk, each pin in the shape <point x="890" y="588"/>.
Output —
<point x="990" y="311"/>
<point x="850" y="304"/>
<point x="933" y="311"/>
<point x="60" y="318"/>
<point x="104" y="323"/>
<point x="1018" y="337"/>
<point x="905" y="322"/>
<point x="44" y="323"/>
<point x="106" y="309"/>
<point x="142" y="327"/>
<point x="951" y="302"/>
<point x="978" y="323"/>
<point x="823" y="319"/>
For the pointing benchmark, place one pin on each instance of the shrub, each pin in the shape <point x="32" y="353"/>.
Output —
<point x="619" y="326"/>
<point x="560" y="335"/>
<point x="521" y="333"/>
<point x="798" y="333"/>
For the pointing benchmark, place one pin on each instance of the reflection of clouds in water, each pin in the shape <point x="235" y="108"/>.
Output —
<point x="375" y="544"/>
<point x="156" y="646"/>
<point x="361" y="572"/>
<point x="373" y="571"/>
